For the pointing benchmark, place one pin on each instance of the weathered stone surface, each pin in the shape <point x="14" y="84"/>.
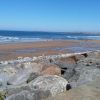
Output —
<point x="64" y="65"/>
<point x="86" y="70"/>
<point x="67" y="70"/>
<point x="89" y="62"/>
<point x="69" y="73"/>
<point x="51" y="71"/>
<point x="32" y="76"/>
<point x="90" y="91"/>
<point x="24" y="74"/>
<point x="67" y="60"/>
<point x="28" y="95"/>
<point x="40" y="79"/>
<point x="35" y="67"/>
<point x="24" y="95"/>
<point x="5" y="74"/>
<point x="93" y="55"/>
<point x="13" y="89"/>
<point x="19" y="78"/>
<point x="52" y="83"/>
<point x="88" y="75"/>
<point x="79" y="57"/>
<point x="40" y="88"/>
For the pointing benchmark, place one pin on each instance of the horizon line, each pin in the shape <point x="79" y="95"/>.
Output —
<point x="48" y="31"/>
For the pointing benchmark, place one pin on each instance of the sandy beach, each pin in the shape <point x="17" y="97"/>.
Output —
<point x="14" y="50"/>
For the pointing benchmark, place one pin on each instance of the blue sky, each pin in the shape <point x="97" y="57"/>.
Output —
<point x="50" y="15"/>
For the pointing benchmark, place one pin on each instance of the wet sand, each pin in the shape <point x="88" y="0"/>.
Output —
<point x="14" y="50"/>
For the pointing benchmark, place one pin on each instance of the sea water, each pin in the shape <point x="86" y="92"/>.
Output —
<point x="30" y="36"/>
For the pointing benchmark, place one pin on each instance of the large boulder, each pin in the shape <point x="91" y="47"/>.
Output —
<point x="86" y="70"/>
<point x="83" y="75"/>
<point x="13" y="89"/>
<point x="90" y="91"/>
<point x="52" y="84"/>
<point x="21" y="77"/>
<point x="24" y="95"/>
<point x="27" y="95"/>
<point x="88" y="75"/>
<point x="28" y="72"/>
<point x="5" y="74"/>
<point x="40" y="88"/>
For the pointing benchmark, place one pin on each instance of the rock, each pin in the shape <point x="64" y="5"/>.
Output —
<point x="67" y="60"/>
<point x="51" y="71"/>
<point x="69" y="73"/>
<point x="90" y="91"/>
<point x="67" y="69"/>
<point x="89" y="62"/>
<point x="24" y="95"/>
<point x="13" y="89"/>
<point x="30" y="66"/>
<point x="36" y="67"/>
<point x="19" y="78"/>
<point x="87" y="75"/>
<point x="40" y="88"/>
<point x="65" y="66"/>
<point x="93" y="54"/>
<point x="41" y="94"/>
<point x="27" y="95"/>
<point x="32" y="77"/>
<point x="5" y="74"/>
<point x="51" y="83"/>
<point x="19" y="58"/>
<point x="4" y="62"/>
<point x="80" y="57"/>
<point x="83" y="75"/>
<point x="9" y="70"/>
<point x="46" y="65"/>
<point x="23" y="75"/>
<point x="22" y="80"/>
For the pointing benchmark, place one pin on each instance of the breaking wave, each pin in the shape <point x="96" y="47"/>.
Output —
<point x="18" y="39"/>
<point x="84" y="37"/>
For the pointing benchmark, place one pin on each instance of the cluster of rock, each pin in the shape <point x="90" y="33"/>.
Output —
<point x="89" y="91"/>
<point x="42" y="77"/>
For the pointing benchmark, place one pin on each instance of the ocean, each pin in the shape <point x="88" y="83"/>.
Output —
<point x="28" y="36"/>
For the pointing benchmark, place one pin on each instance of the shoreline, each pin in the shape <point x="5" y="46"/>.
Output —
<point x="14" y="50"/>
<point x="48" y="57"/>
<point x="66" y="71"/>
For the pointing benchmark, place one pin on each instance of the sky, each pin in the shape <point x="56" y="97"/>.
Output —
<point x="50" y="15"/>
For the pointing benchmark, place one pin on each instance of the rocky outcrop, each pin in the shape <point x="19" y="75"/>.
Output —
<point x="40" y="88"/>
<point x="86" y="68"/>
<point x="48" y="76"/>
<point x="90" y="91"/>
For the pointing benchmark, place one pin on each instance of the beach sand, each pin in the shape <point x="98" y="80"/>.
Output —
<point x="14" y="50"/>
